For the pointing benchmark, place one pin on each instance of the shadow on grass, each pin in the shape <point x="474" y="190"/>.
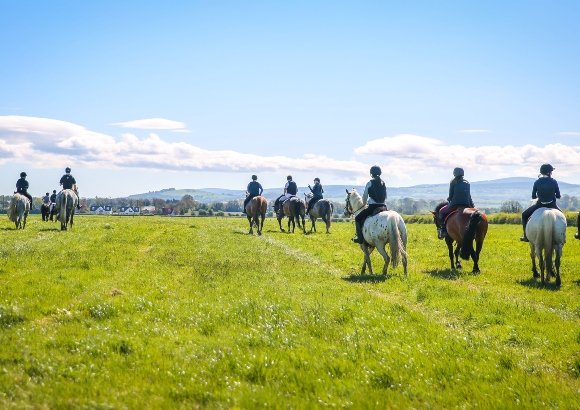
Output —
<point x="365" y="278"/>
<point x="449" y="274"/>
<point x="56" y="228"/>
<point x="537" y="284"/>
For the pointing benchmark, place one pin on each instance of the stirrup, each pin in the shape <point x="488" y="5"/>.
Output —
<point x="524" y="239"/>
<point x="357" y="240"/>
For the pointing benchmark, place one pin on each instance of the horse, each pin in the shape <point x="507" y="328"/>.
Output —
<point x="464" y="225"/>
<point x="19" y="208"/>
<point x="256" y="212"/>
<point x="294" y="208"/>
<point x="577" y="234"/>
<point x="52" y="212"/>
<point x="378" y="230"/>
<point x="323" y="208"/>
<point x="546" y="231"/>
<point x="66" y="203"/>
<point x="45" y="211"/>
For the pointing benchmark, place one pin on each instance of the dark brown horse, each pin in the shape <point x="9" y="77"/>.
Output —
<point x="464" y="225"/>
<point x="294" y="208"/>
<point x="45" y="211"/>
<point x="256" y="212"/>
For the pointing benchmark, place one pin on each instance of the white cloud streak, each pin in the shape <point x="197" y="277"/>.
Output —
<point x="154" y="124"/>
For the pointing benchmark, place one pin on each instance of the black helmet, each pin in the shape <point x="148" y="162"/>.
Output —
<point x="23" y="175"/>
<point x="316" y="179"/>
<point x="47" y="193"/>
<point x="376" y="171"/>
<point x="545" y="169"/>
<point x="254" y="177"/>
<point x="67" y="170"/>
<point x="458" y="172"/>
<point x="289" y="178"/>
<point x="54" y="191"/>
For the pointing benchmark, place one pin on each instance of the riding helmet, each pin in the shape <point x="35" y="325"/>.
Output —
<point x="545" y="169"/>
<point x="254" y="177"/>
<point x="47" y="193"/>
<point x="376" y="171"/>
<point x="289" y="178"/>
<point x="67" y="170"/>
<point x="316" y="179"/>
<point x="23" y="175"/>
<point x="54" y="191"/>
<point x="458" y="172"/>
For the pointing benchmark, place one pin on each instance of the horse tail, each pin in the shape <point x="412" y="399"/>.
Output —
<point x="329" y="211"/>
<point x="549" y="235"/>
<point x="467" y="243"/>
<point x="63" y="207"/>
<point x="395" y="241"/>
<point x="12" y="213"/>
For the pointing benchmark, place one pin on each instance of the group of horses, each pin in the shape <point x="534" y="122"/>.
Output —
<point x="64" y="209"/>
<point x="294" y="209"/>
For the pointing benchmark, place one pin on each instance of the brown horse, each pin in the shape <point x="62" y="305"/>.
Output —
<point x="294" y="208"/>
<point x="45" y="211"/>
<point x="256" y="212"/>
<point x="463" y="226"/>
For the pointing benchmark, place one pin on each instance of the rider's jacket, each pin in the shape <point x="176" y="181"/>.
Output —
<point x="459" y="193"/>
<point x="317" y="191"/>
<point x="546" y="190"/>
<point x="291" y="188"/>
<point x="67" y="181"/>
<point x="22" y="185"/>
<point x="53" y="198"/>
<point x="254" y="188"/>
<point x="375" y="191"/>
<point x="46" y="199"/>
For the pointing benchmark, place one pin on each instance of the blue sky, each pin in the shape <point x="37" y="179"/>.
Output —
<point x="137" y="96"/>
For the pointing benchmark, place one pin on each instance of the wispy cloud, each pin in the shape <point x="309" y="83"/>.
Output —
<point x="41" y="140"/>
<point x="154" y="124"/>
<point x="570" y="133"/>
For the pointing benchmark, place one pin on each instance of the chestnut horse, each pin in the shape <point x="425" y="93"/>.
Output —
<point x="294" y="208"/>
<point x="256" y="212"/>
<point x="464" y="225"/>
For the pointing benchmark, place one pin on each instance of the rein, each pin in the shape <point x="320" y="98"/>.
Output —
<point x="349" y="205"/>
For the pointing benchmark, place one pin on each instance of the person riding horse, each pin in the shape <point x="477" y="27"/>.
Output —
<point x="68" y="182"/>
<point x="290" y="190"/>
<point x="22" y="187"/>
<point x="374" y="197"/>
<point x="253" y="189"/>
<point x="459" y="196"/>
<point x="317" y="192"/>
<point x="545" y="191"/>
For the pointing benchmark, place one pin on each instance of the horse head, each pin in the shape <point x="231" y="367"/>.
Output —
<point x="353" y="202"/>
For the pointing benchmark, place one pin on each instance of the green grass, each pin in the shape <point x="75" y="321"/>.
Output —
<point x="128" y="312"/>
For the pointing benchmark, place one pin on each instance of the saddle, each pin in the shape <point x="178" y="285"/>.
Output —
<point x="379" y="210"/>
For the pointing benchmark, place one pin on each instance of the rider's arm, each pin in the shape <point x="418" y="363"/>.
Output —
<point x="535" y="190"/>
<point x="366" y="193"/>
<point x="261" y="189"/>
<point x="557" y="190"/>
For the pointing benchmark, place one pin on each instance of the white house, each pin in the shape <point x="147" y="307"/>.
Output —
<point x="101" y="209"/>
<point x="129" y="210"/>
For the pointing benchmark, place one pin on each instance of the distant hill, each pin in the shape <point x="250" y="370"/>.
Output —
<point x="489" y="194"/>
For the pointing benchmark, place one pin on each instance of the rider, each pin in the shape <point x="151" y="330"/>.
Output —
<point x="317" y="191"/>
<point x="546" y="191"/>
<point x="22" y="187"/>
<point x="290" y="190"/>
<point x="46" y="199"/>
<point x="68" y="182"/>
<point x="459" y="196"/>
<point x="53" y="197"/>
<point x="374" y="197"/>
<point x="254" y="189"/>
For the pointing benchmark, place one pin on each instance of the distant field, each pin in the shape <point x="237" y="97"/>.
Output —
<point x="154" y="312"/>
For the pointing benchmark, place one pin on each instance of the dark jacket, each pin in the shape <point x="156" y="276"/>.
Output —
<point x="316" y="190"/>
<point x="254" y="188"/>
<point x="22" y="185"/>
<point x="292" y="188"/>
<point x="546" y="190"/>
<point x="459" y="193"/>
<point x="378" y="190"/>
<point x="53" y="198"/>
<point x="67" y="181"/>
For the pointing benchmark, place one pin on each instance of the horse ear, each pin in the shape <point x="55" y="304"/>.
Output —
<point x="346" y="190"/>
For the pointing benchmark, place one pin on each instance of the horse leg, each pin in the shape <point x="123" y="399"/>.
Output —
<point x="24" y="221"/>
<point x="456" y="253"/>
<point x="251" y="225"/>
<point x="313" y="223"/>
<point x="367" y="259"/>
<point x="385" y="255"/>
<point x="542" y="265"/>
<point x="558" y="256"/>
<point x="280" y="224"/>
<point x="449" y="243"/>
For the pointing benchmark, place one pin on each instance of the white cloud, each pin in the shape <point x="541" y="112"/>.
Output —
<point x="154" y="124"/>
<point x="473" y="131"/>
<point x="570" y="133"/>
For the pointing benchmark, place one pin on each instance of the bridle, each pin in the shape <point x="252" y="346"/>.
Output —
<point x="348" y="208"/>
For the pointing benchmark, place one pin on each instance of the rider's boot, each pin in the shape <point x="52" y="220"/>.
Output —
<point x="524" y="238"/>
<point x="359" y="235"/>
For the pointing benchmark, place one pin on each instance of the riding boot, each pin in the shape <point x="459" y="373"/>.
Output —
<point x="524" y="238"/>
<point x="359" y="235"/>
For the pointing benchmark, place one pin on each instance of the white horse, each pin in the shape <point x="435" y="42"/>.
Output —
<point x="66" y="203"/>
<point x="323" y="208"/>
<point x="546" y="231"/>
<point x="19" y="208"/>
<point x="378" y="230"/>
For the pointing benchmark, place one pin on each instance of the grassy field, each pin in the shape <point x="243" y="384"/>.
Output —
<point x="153" y="312"/>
